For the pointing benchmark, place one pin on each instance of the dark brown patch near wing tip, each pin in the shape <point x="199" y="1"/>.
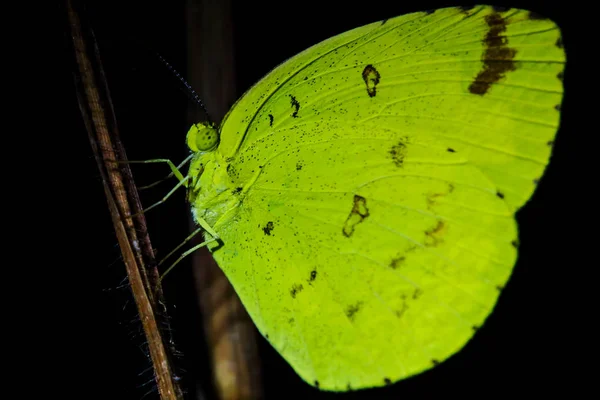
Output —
<point x="371" y="77"/>
<point x="550" y="143"/>
<point x="387" y="381"/>
<point x="451" y="150"/>
<point x="349" y="388"/>
<point x="268" y="228"/>
<point x="534" y="15"/>
<point x="500" y="195"/>
<point x="515" y="244"/>
<point x="271" y="119"/>
<point x="295" y="105"/>
<point x="536" y="181"/>
<point x="499" y="288"/>
<point x="316" y="384"/>
<point x="267" y="336"/>
<point x="557" y="107"/>
<point x="561" y="76"/>
<point x="295" y="290"/>
<point x="357" y="215"/>
<point x="497" y="57"/>
<point x="559" y="43"/>
<point x="435" y="362"/>
<point x="384" y="21"/>
<point x="475" y="328"/>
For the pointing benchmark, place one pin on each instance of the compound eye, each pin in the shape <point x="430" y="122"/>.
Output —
<point x="202" y="137"/>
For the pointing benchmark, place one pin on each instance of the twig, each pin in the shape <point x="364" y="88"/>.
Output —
<point x="98" y="114"/>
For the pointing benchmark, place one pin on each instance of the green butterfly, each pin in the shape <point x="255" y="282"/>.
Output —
<point x="364" y="192"/>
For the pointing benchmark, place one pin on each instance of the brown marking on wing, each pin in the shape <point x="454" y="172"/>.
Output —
<point x="357" y="215"/>
<point x="434" y="236"/>
<point x="398" y="152"/>
<point x="498" y="58"/>
<point x="371" y="77"/>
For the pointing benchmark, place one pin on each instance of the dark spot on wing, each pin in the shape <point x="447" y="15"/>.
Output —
<point x="561" y="76"/>
<point x="298" y="166"/>
<point x="534" y="15"/>
<point x="270" y="119"/>
<point x="559" y="43"/>
<point x="384" y="21"/>
<point x="349" y="388"/>
<point x="268" y="228"/>
<point x="357" y="215"/>
<point x="515" y="244"/>
<point x="295" y="290"/>
<point x="499" y="288"/>
<point x="433" y="236"/>
<point x="550" y="143"/>
<point x="316" y="384"/>
<point x="291" y="321"/>
<point x="451" y="150"/>
<point x="295" y="105"/>
<point x="387" y="381"/>
<point x="267" y="337"/>
<point x="398" y="152"/>
<point x="397" y="262"/>
<point x="432" y="197"/>
<point x="429" y="12"/>
<point x="435" y="362"/>
<point x="352" y="310"/>
<point x="500" y="195"/>
<point x="237" y="190"/>
<point x="475" y="328"/>
<point x="371" y="77"/>
<point x="313" y="275"/>
<point x="418" y="292"/>
<point x="497" y="57"/>
<point x="402" y="310"/>
<point x="557" y="107"/>
<point x="536" y="181"/>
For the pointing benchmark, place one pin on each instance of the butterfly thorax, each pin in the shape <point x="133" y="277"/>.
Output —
<point x="210" y="190"/>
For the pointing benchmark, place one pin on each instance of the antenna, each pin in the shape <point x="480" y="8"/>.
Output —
<point x="190" y="91"/>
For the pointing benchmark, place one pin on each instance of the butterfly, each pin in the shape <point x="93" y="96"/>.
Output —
<point x="363" y="193"/>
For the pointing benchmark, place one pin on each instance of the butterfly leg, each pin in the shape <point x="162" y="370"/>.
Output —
<point x="186" y="253"/>
<point x="175" y="170"/>
<point x="181" y="183"/>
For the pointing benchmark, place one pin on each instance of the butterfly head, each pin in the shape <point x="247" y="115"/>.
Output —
<point x="202" y="136"/>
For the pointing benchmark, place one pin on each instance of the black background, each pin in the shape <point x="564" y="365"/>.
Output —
<point x="523" y="347"/>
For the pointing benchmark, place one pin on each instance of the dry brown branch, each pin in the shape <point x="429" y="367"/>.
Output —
<point x="97" y="111"/>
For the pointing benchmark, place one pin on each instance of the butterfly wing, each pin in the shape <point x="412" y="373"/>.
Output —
<point x="376" y="176"/>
